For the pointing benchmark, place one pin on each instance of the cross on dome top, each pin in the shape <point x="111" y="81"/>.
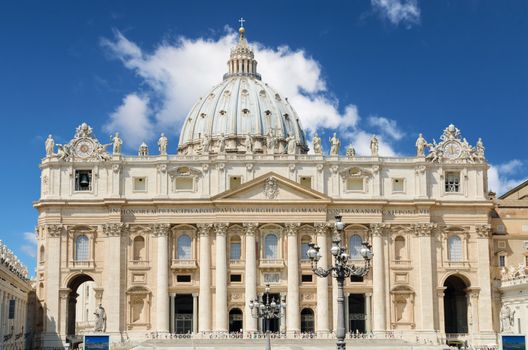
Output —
<point x="242" y="60"/>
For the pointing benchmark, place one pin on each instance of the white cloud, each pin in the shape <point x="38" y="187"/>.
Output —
<point x="500" y="178"/>
<point x="405" y="12"/>
<point x="387" y="127"/>
<point x="132" y="119"/>
<point x="30" y="248"/>
<point x="176" y="74"/>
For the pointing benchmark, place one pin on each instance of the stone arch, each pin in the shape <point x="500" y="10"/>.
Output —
<point x="73" y="282"/>
<point x="139" y="246"/>
<point x="236" y="320"/>
<point x="307" y="320"/>
<point x="455" y="304"/>
<point x="400" y="248"/>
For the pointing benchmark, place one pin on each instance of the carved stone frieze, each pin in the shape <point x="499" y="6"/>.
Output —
<point x="54" y="230"/>
<point x="113" y="230"/>
<point x="221" y="228"/>
<point x="483" y="231"/>
<point x="204" y="229"/>
<point x="321" y="228"/>
<point x="423" y="230"/>
<point x="161" y="230"/>
<point x="379" y="229"/>
<point x="291" y="228"/>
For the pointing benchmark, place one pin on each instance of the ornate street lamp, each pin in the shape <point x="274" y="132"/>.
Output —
<point x="266" y="310"/>
<point x="341" y="270"/>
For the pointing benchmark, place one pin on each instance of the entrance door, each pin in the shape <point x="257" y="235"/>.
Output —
<point x="183" y="319"/>
<point x="356" y="313"/>
<point x="455" y="305"/>
<point x="235" y="320"/>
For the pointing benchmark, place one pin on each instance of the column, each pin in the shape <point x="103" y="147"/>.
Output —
<point x="250" y="323"/>
<point x="113" y="279"/>
<point x="221" y="278"/>
<point x="368" y="318"/>
<point x="172" y="312"/>
<point x="441" y="319"/>
<point x="195" y="313"/>
<point x="283" y="315"/>
<point x="425" y="266"/>
<point x="52" y="284"/>
<point x="378" y="283"/>
<point x="204" y="314"/>
<point x="484" y="297"/>
<point x="293" y="317"/>
<point x="321" y="230"/>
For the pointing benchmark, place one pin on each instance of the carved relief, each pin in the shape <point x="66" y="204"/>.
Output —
<point x="271" y="188"/>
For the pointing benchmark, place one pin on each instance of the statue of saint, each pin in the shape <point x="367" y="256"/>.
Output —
<point x="50" y="146"/>
<point x="116" y="144"/>
<point x="479" y="149"/>
<point x="420" y="146"/>
<point x="270" y="142"/>
<point x="506" y="318"/>
<point x="206" y="143"/>
<point x="374" y="146"/>
<point x="318" y="149"/>
<point x="334" y="143"/>
<point x="100" y="319"/>
<point x="248" y="143"/>
<point x="292" y="144"/>
<point x="221" y="143"/>
<point x="64" y="151"/>
<point x="350" y="151"/>
<point x="162" y="143"/>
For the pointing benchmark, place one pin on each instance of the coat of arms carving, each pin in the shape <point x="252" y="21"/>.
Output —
<point x="271" y="188"/>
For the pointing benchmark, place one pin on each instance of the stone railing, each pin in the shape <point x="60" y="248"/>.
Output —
<point x="184" y="264"/>
<point x="82" y="264"/>
<point x="271" y="263"/>
<point x="138" y="263"/>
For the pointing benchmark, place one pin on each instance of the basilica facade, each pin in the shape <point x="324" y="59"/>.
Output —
<point x="179" y="243"/>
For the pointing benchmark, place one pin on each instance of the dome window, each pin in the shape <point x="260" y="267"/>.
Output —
<point x="277" y="97"/>
<point x="203" y="115"/>
<point x="223" y="112"/>
<point x="227" y="93"/>
<point x="245" y="92"/>
<point x="287" y="116"/>
<point x="211" y="95"/>
<point x="245" y="111"/>
<point x="267" y="112"/>
<point x="262" y="93"/>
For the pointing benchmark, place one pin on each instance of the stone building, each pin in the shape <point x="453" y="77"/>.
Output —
<point x="16" y="302"/>
<point x="510" y="254"/>
<point x="180" y="242"/>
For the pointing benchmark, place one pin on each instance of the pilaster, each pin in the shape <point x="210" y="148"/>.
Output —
<point x="250" y="323"/>
<point x="321" y="230"/>
<point x="293" y="317"/>
<point x="204" y="314"/>
<point x="221" y="278"/>
<point x="379" y="308"/>
<point x="161" y="232"/>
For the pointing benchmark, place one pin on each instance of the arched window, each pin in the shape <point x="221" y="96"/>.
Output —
<point x="184" y="247"/>
<point x="139" y="248"/>
<point x="234" y="248"/>
<point x="354" y="246"/>
<point x="455" y="248"/>
<point x="271" y="247"/>
<point x="305" y="241"/>
<point x="307" y="321"/>
<point x="42" y="256"/>
<point x="399" y="248"/>
<point x="82" y="252"/>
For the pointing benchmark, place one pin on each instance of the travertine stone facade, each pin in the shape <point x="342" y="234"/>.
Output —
<point x="180" y="242"/>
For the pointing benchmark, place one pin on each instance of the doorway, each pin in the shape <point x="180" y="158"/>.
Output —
<point x="356" y="313"/>
<point x="183" y="318"/>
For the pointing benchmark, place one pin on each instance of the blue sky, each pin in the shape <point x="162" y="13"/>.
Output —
<point x="394" y="68"/>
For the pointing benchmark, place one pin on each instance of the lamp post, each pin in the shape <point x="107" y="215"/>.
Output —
<point x="340" y="270"/>
<point x="266" y="310"/>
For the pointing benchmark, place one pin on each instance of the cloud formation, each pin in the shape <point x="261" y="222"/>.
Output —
<point x="175" y="74"/>
<point x="503" y="177"/>
<point x="387" y="127"/>
<point x="405" y="12"/>
<point x="30" y="247"/>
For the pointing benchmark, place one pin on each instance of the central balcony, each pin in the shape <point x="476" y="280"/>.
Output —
<point x="82" y="265"/>
<point x="271" y="264"/>
<point x="184" y="264"/>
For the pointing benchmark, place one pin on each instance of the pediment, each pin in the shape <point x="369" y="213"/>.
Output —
<point x="272" y="187"/>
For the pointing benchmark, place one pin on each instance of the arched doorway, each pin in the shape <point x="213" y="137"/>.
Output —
<point x="455" y="305"/>
<point x="235" y="320"/>
<point x="77" y="287"/>
<point x="307" y="321"/>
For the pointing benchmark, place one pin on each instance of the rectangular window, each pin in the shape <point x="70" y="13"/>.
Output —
<point x="184" y="183"/>
<point x="183" y="278"/>
<point x="83" y="180"/>
<point x="235" y="251"/>
<point x="398" y="186"/>
<point x="12" y="306"/>
<point x="354" y="184"/>
<point x="235" y="278"/>
<point x="140" y="184"/>
<point x="234" y="182"/>
<point x="502" y="261"/>
<point x="306" y="181"/>
<point x="272" y="278"/>
<point x="307" y="278"/>
<point x="452" y="182"/>
<point x="356" y="278"/>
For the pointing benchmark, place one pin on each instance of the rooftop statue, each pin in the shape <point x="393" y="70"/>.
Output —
<point x="116" y="144"/>
<point x="350" y="151"/>
<point x="271" y="141"/>
<point x="248" y="143"/>
<point x="206" y="144"/>
<point x="420" y="146"/>
<point x="374" y="146"/>
<point x="50" y="146"/>
<point x="292" y="144"/>
<point x="318" y="149"/>
<point x="335" y="143"/>
<point x="162" y="143"/>
<point x="221" y="143"/>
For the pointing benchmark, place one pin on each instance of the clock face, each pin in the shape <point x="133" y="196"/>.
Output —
<point x="84" y="148"/>
<point x="452" y="150"/>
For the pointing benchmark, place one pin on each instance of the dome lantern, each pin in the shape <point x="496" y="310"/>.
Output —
<point x="242" y="59"/>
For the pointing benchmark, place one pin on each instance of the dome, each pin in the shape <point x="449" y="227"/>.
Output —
<point x="242" y="114"/>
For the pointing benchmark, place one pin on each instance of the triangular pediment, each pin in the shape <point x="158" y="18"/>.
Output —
<point x="272" y="187"/>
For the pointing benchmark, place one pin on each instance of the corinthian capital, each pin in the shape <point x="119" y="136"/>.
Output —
<point x="378" y="229"/>
<point x="321" y="228"/>
<point x="221" y="228"/>
<point x="113" y="229"/>
<point x="160" y="230"/>
<point x="291" y="228"/>
<point x="204" y="229"/>
<point x="53" y="230"/>
<point x="251" y="228"/>
<point x="483" y="231"/>
<point x="425" y="229"/>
